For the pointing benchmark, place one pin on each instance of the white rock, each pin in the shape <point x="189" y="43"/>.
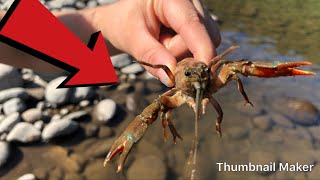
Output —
<point x="59" y="128"/>
<point x="29" y="176"/>
<point x="24" y="132"/>
<point x="14" y="105"/>
<point x="121" y="60"/>
<point x="105" y="110"/>
<point x="56" y="96"/>
<point x="3" y="136"/>
<point x="84" y="103"/>
<point x="134" y="68"/>
<point x="76" y="115"/>
<point x="104" y="2"/>
<point x="67" y="9"/>
<point x="9" y="122"/>
<point x="91" y="4"/>
<point x="80" y="4"/>
<point x="2" y="117"/>
<point x="68" y="2"/>
<point x="81" y="93"/>
<point x="55" y="4"/>
<point x="12" y="93"/>
<point x="4" y="152"/>
<point x="56" y="117"/>
<point x="64" y="111"/>
<point x="6" y="5"/>
<point x="31" y="115"/>
<point x="39" y="125"/>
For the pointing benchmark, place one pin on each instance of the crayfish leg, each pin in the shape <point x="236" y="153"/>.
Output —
<point x="173" y="130"/>
<point x="241" y="89"/>
<point x="218" y="108"/>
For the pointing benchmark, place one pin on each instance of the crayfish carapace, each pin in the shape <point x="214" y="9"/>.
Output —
<point x="195" y="82"/>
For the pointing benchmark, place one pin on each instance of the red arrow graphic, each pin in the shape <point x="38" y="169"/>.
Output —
<point x="30" y="27"/>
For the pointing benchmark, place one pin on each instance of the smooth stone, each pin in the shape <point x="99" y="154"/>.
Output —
<point x="9" y="122"/>
<point x="31" y="115"/>
<point x="24" y="132"/>
<point x="91" y="4"/>
<point x="91" y="130"/>
<point x="68" y="2"/>
<point x="148" y="167"/>
<point x="56" y="117"/>
<point x="41" y="105"/>
<point x="2" y="116"/>
<point x="105" y="110"/>
<point x="80" y="5"/>
<point x="9" y="77"/>
<point x="56" y="96"/>
<point x="36" y="93"/>
<point x="13" y="93"/>
<point x="104" y="2"/>
<point x="263" y="122"/>
<point x="6" y="4"/>
<point x="14" y="105"/>
<point x="56" y="4"/>
<point x="84" y="103"/>
<point x="4" y="152"/>
<point x="64" y="111"/>
<point x="74" y="176"/>
<point x="76" y="115"/>
<point x="68" y="9"/>
<point x="28" y="176"/>
<point x="59" y="128"/>
<point x="39" y="125"/>
<point x="3" y="136"/>
<point x="121" y="60"/>
<point x="56" y="173"/>
<point x="134" y="68"/>
<point x="82" y="93"/>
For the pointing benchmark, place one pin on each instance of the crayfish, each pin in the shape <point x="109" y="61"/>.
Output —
<point x="195" y="82"/>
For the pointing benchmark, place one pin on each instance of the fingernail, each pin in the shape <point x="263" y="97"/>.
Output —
<point x="164" y="78"/>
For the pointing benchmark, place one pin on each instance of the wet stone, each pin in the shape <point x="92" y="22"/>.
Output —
<point x="28" y="176"/>
<point x="99" y="148"/>
<point x="31" y="115"/>
<point x="91" y="130"/>
<point x="59" y="128"/>
<point x="104" y="2"/>
<point x="14" y="105"/>
<point x="82" y="93"/>
<point x="39" y="125"/>
<point x="24" y="132"/>
<point x="36" y="93"/>
<point x="12" y="93"/>
<point x="155" y="168"/>
<point x="91" y="4"/>
<point x="9" y="77"/>
<point x="84" y="103"/>
<point x="76" y="115"/>
<point x="134" y="68"/>
<point x="293" y="156"/>
<point x="80" y="5"/>
<point x="9" y="122"/>
<point x="121" y="60"/>
<point x="4" y="152"/>
<point x="74" y="176"/>
<point x="56" y="96"/>
<point x="263" y="122"/>
<point x="105" y="110"/>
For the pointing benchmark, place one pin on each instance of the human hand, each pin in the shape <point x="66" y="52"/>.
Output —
<point x="144" y="29"/>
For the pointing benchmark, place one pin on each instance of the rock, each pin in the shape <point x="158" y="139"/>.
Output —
<point x="105" y="110"/>
<point x="9" y="77"/>
<point x="4" y="152"/>
<point x="76" y="115"/>
<point x="80" y="5"/>
<point x="41" y="105"/>
<point x="56" y="96"/>
<point x="84" y="103"/>
<point x="36" y="93"/>
<point x="55" y="4"/>
<point x="68" y="2"/>
<point x="134" y="68"/>
<point x="82" y="93"/>
<point x="9" y="122"/>
<point x="105" y="132"/>
<point x="91" y="130"/>
<point x="13" y="93"/>
<point x="28" y="176"/>
<point x="104" y="2"/>
<point x="149" y="167"/>
<point x="299" y="111"/>
<point x="64" y="111"/>
<point x="56" y="117"/>
<point x="6" y="4"/>
<point x="92" y="4"/>
<point x="56" y="173"/>
<point x="2" y="117"/>
<point x="24" y="132"/>
<point x="31" y="115"/>
<point x="3" y="136"/>
<point x="121" y="60"/>
<point x="59" y="128"/>
<point x="263" y="122"/>
<point x="39" y="125"/>
<point x="14" y="105"/>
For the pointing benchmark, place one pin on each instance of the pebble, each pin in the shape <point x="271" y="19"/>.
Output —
<point x="76" y="115"/>
<point x="9" y="122"/>
<point x="80" y="5"/>
<point x="84" y="103"/>
<point x="263" y="122"/>
<point x="36" y="93"/>
<point x="92" y="4"/>
<point x="3" y="136"/>
<point x="24" y="132"/>
<point x="148" y="167"/>
<point x="41" y="105"/>
<point x="6" y="4"/>
<point x="14" y="105"/>
<point x="56" y="96"/>
<point x="59" y="128"/>
<point x="39" y="125"/>
<point x="121" y="60"/>
<point x="91" y="130"/>
<point x="28" y="176"/>
<point x="13" y="93"/>
<point x="64" y="111"/>
<point x="4" y="152"/>
<point x="134" y="68"/>
<point x="2" y="117"/>
<point x="31" y="115"/>
<point x="9" y="77"/>
<point x="55" y="4"/>
<point x="105" y="110"/>
<point x="104" y="2"/>
<point x="82" y="93"/>
<point x="68" y="2"/>
<point x="56" y="117"/>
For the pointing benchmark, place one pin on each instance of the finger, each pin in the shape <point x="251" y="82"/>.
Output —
<point x="148" y="49"/>
<point x="175" y="45"/>
<point x="184" y="19"/>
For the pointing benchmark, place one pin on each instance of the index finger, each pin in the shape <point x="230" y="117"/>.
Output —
<point x="182" y="16"/>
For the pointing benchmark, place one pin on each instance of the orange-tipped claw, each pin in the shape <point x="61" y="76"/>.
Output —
<point x="122" y="145"/>
<point x="289" y="67"/>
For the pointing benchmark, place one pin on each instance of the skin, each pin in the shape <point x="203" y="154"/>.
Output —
<point x="154" y="31"/>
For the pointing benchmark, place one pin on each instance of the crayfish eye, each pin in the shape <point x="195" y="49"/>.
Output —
<point x="208" y="70"/>
<point x="187" y="73"/>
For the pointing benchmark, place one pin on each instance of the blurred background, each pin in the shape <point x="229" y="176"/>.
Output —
<point x="65" y="134"/>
